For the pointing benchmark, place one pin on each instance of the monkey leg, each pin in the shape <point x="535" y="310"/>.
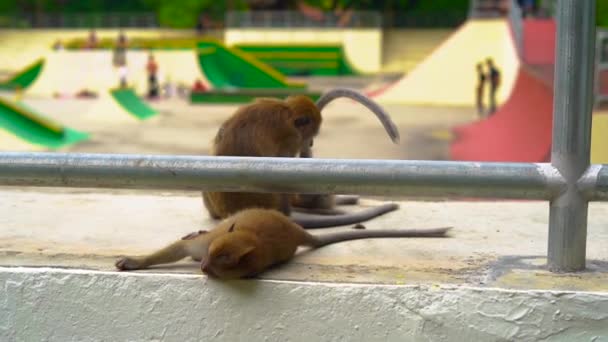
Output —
<point x="172" y="253"/>
<point x="320" y="221"/>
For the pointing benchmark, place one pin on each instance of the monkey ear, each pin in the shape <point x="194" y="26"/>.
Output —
<point x="301" y="121"/>
<point x="245" y="250"/>
<point x="231" y="229"/>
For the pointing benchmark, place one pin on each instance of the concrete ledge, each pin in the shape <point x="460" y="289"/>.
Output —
<point x="61" y="305"/>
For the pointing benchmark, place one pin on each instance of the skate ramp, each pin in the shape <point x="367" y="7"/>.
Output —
<point x="539" y="41"/>
<point x="520" y="131"/>
<point x="132" y="104"/>
<point x="34" y="128"/>
<point x="448" y="77"/>
<point x="105" y="110"/>
<point x="226" y="67"/>
<point x="68" y="72"/>
<point x="23" y="78"/>
<point x="303" y="59"/>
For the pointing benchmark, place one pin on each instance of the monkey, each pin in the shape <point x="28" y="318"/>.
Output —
<point x="276" y="128"/>
<point x="254" y="240"/>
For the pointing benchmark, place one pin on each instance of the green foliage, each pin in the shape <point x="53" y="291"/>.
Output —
<point x="602" y="13"/>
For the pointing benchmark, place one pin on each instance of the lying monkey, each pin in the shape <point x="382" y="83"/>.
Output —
<point x="252" y="241"/>
<point x="275" y="128"/>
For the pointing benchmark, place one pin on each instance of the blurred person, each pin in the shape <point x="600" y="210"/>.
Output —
<point x="494" y="78"/>
<point x="168" y="87"/>
<point x="481" y="84"/>
<point x="123" y="73"/>
<point x="119" y="57"/>
<point x="199" y="86"/>
<point x="92" y="41"/>
<point x="58" y="45"/>
<point x="152" y="69"/>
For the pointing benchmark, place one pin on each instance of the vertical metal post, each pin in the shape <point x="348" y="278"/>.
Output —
<point x="573" y="100"/>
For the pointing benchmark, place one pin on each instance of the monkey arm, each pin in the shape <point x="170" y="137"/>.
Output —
<point x="193" y="246"/>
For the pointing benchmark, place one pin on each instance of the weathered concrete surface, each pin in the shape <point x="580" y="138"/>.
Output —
<point x="69" y="305"/>
<point x="492" y="244"/>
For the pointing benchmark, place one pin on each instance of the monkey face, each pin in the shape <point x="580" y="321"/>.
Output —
<point x="228" y="256"/>
<point x="306" y="116"/>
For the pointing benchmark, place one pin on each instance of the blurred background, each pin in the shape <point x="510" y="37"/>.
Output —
<point x="463" y="79"/>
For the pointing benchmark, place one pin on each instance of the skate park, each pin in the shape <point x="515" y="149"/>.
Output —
<point x="487" y="281"/>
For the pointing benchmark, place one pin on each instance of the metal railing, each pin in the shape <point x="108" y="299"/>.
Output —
<point x="250" y="19"/>
<point x="79" y="20"/>
<point x="568" y="183"/>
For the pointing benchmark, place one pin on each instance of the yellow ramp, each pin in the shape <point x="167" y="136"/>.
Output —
<point x="599" y="138"/>
<point x="448" y="76"/>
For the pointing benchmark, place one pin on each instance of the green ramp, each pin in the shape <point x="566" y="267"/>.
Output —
<point x="35" y="128"/>
<point x="225" y="67"/>
<point x="247" y="95"/>
<point x="23" y="78"/>
<point x="128" y="100"/>
<point x="303" y="59"/>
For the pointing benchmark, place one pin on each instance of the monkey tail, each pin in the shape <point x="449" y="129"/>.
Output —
<point x="324" y="221"/>
<point x="327" y="239"/>
<point x="384" y="118"/>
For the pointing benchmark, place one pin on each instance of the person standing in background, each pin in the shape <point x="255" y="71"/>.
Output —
<point x="494" y="78"/>
<point x="119" y="59"/>
<point x="481" y="84"/>
<point x="152" y="69"/>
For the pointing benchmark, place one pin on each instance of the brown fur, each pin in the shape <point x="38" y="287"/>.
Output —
<point x="274" y="128"/>
<point x="252" y="241"/>
<point x="265" y="128"/>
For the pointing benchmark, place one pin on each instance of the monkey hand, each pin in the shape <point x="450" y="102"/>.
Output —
<point x="127" y="264"/>
<point x="194" y="234"/>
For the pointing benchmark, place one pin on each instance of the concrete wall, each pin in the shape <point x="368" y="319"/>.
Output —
<point x="363" y="47"/>
<point x="61" y="305"/>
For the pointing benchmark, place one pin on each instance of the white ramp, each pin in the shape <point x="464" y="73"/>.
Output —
<point x="69" y="72"/>
<point x="448" y="75"/>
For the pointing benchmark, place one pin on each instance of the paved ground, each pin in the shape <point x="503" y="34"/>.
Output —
<point x="493" y="244"/>
<point x="184" y="129"/>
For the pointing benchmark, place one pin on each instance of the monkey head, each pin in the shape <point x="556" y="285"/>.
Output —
<point x="228" y="255"/>
<point x="307" y="117"/>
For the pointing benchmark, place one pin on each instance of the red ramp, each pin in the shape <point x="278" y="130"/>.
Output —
<point x="539" y="41"/>
<point x="520" y="131"/>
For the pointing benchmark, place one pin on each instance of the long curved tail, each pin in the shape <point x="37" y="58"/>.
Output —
<point x="323" y="221"/>
<point x="370" y="104"/>
<point x="327" y="239"/>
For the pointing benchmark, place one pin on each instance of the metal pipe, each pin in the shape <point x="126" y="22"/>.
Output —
<point x="291" y="175"/>
<point x="573" y="100"/>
